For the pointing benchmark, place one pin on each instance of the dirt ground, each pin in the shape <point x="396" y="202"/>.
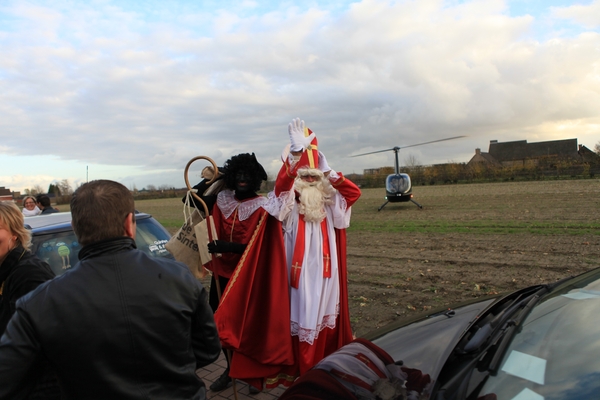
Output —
<point x="412" y="260"/>
<point x="467" y="241"/>
<point x="398" y="275"/>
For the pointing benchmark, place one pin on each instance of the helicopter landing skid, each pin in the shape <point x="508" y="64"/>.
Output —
<point x="387" y="201"/>
<point x="383" y="205"/>
<point x="418" y="205"/>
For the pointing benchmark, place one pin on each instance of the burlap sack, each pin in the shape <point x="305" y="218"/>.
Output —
<point x="184" y="245"/>
<point x="203" y="237"/>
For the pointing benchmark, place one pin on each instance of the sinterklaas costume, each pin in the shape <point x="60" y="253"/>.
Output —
<point x="316" y="265"/>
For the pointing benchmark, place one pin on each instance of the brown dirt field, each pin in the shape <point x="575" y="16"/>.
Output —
<point x="468" y="241"/>
<point x="394" y="275"/>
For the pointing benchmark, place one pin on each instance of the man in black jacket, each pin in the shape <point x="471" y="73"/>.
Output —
<point x="120" y="324"/>
<point x="44" y="204"/>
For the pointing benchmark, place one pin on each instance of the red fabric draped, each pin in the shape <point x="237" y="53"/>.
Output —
<point x="317" y="385"/>
<point x="343" y="324"/>
<point x="253" y="318"/>
<point x="329" y="340"/>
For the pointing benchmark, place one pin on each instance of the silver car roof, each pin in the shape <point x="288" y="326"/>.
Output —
<point x="39" y="221"/>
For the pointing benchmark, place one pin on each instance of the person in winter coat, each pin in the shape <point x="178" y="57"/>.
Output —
<point x="20" y="273"/>
<point x="119" y="324"/>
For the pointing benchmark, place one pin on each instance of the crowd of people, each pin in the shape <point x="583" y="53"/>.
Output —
<point x="124" y="325"/>
<point x="38" y="205"/>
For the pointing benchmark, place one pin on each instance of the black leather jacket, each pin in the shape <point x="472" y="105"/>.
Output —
<point x="119" y="325"/>
<point x="20" y="273"/>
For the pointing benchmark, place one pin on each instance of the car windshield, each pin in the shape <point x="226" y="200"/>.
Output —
<point x="61" y="249"/>
<point x="554" y="354"/>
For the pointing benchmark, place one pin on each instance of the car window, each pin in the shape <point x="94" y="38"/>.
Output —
<point x="61" y="249"/>
<point x="151" y="238"/>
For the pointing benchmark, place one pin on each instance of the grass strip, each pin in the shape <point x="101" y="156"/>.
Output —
<point x="479" y="227"/>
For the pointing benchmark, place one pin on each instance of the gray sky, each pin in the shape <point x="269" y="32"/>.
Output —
<point x="132" y="91"/>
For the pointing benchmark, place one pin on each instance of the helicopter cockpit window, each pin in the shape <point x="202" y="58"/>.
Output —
<point x="397" y="183"/>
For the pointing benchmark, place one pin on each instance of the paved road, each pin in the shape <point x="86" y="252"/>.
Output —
<point x="211" y="372"/>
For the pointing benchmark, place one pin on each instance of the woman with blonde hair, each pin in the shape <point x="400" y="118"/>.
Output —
<point x="30" y="207"/>
<point x="20" y="272"/>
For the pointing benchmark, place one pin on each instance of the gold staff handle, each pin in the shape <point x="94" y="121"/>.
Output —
<point x="187" y="181"/>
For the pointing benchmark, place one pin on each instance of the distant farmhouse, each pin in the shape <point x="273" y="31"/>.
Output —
<point x="523" y="154"/>
<point x="5" y="194"/>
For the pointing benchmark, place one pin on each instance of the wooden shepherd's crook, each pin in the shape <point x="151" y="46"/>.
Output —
<point x="210" y="226"/>
<point x="187" y="181"/>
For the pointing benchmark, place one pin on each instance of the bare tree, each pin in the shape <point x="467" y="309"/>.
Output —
<point x="65" y="187"/>
<point x="151" y="188"/>
<point x="597" y="148"/>
<point x="34" y="191"/>
<point x="411" y="160"/>
<point x="63" y="191"/>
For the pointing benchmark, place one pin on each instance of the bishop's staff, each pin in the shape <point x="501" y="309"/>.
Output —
<point x="206" y="232"/>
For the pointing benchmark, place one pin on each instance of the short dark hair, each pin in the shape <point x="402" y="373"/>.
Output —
<point x="44" y="200"/>
<point x="247" y="163"/>
<point x="99" y="209"/>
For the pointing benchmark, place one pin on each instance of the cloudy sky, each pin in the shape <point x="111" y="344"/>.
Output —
<point x="132" y="90"/>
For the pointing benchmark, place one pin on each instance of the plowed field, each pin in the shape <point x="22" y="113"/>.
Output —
<point x="467" y="241"/>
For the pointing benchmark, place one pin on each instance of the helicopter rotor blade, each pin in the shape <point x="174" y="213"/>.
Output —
<point x="373" y="152"/>
<point x="434" y="141"/>
<point x="412" y="145"/>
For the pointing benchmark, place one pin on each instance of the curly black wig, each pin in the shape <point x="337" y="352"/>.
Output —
<point x="249" y="164"/>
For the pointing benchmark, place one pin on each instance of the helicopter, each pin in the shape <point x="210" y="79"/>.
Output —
<point x="398" y="187"/>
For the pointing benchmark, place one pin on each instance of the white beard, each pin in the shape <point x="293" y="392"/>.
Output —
<point x="313" y="198"/>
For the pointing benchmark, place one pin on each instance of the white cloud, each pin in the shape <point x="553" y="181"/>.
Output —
<point x="100" y="84"/>
<point x="587" y="15"/>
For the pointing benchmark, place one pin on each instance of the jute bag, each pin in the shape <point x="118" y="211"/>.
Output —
<point x="184" y="244"/>
<point x="190" y="244"/>
<point x="204" y="235"/>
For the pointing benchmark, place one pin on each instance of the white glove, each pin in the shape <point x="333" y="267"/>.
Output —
<point x="323" y="166"/>
<point x="298" y="141"/>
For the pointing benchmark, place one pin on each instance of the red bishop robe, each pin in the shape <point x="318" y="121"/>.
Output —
<point x="253" y="318"/>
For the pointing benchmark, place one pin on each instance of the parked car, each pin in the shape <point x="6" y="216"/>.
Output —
<point x="54" y="241"/>
<point x="540" y="342"/>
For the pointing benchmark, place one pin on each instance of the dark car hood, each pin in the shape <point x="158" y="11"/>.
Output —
<point x="425" y="342"/>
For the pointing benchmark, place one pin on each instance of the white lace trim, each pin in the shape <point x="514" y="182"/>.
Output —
<point x="227" y="203"/>
<point x="343" y="203"/>
<point x="280" y="206"/>
<point x="310" y="335"/>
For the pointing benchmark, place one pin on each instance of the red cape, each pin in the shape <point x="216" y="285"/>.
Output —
<point x="253" y="318"/>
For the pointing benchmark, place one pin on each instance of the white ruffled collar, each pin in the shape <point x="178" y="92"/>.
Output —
<point x="227" y="203"/>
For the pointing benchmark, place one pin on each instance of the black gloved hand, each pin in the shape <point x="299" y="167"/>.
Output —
<point x="222" y="246"/>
